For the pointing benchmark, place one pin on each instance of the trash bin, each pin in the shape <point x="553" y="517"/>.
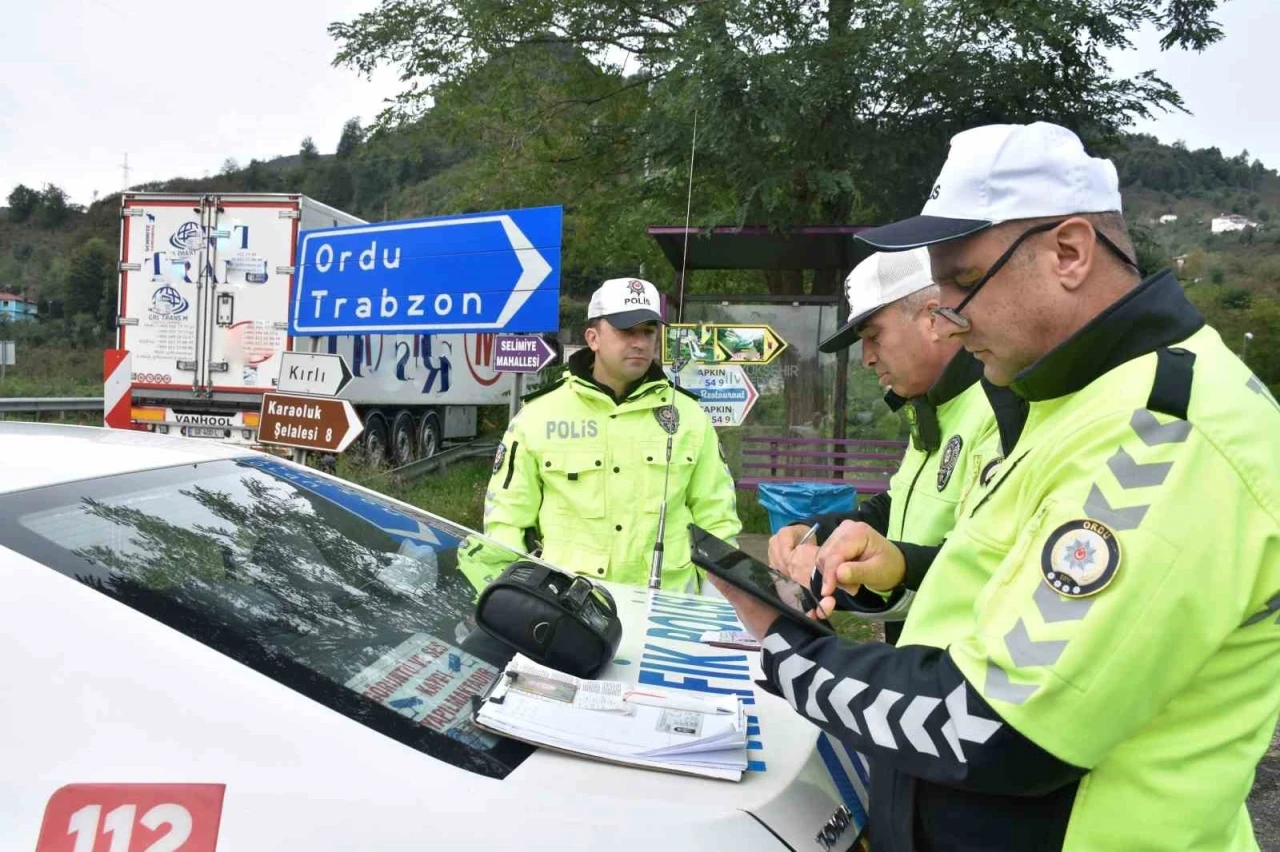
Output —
<point x="788" y="502"/>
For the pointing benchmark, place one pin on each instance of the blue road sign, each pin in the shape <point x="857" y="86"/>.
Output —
<point x="481" y="272"/>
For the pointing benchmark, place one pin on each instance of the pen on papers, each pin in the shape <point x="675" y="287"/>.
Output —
<point x="693" y="705"/>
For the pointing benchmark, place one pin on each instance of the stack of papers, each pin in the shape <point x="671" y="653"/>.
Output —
<point x="613" y="721"/>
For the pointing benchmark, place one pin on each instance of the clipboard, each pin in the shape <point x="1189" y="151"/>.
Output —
<point x="505" y="681"/>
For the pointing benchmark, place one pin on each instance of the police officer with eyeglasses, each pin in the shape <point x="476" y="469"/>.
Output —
<point x="1092" y="660"/>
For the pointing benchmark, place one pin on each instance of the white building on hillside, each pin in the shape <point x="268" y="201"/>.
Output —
<point x="1168" y="217"/>
<point x="1230" y="222"/>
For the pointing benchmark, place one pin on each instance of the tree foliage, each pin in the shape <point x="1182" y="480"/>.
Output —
<point x="91" y="279"/>
<point x="808" y="112"/>
<point x="23" y="202"/>
<point x="1142" y="161"/>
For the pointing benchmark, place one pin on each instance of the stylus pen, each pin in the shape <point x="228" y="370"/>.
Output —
<point x="813" y="530"/>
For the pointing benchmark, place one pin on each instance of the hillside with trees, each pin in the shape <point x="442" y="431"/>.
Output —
<point x="843" y="118"/>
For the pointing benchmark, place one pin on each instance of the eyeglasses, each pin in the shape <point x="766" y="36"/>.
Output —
<point x="953" y="315"/>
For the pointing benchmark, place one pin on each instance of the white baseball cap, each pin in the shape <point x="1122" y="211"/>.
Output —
<point x="877" y="282"/>
<point x="625" y="302"/>
<point x="1003" y="172"/>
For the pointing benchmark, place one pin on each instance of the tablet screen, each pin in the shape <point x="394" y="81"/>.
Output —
<point x="754" y="577"/>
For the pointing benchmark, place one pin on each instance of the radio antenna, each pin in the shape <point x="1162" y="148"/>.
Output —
<point x="688" y="208"/>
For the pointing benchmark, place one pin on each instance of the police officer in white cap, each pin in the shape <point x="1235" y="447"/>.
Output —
<point x="584" y="468"/>
<point x="953" y="432"/>
<point x="1093" y="658"/>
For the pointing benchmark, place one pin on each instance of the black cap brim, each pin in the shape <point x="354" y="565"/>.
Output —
<point x="920" y="231"/>
<point x="631" y="319"/>
<point x="847" y="335"/>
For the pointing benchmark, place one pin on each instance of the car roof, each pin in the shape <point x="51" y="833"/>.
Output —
<point x="33" y="455"/>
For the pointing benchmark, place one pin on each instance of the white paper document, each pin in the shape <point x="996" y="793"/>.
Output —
<point x="614" y="721"/>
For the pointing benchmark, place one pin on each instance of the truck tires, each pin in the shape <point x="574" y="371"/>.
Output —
<point x="430" y="435"/>
<point x="403" y="439"/>
<point x="374" y="439"/>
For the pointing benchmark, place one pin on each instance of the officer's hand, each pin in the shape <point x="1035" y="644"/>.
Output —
<point x="856" y="555"/>
<point x="783" y="544"/>
<point x="756" y="617"/>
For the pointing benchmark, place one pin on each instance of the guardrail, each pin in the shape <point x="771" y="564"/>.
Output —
<point x="422" y="467"/>
<point x="26" y="404"/>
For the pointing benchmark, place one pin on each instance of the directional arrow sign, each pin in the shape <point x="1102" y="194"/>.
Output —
<point x="482" y="272"/>
<point x="516" y="353"/>
<point x="721" y="343"/>
<point x="308" y="422"/>
<point x="313" y="373"/>
<point x="749" y="344"/>
<point x="724" y="392"/>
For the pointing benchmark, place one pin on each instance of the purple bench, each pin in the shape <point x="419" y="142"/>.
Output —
<point x="864" y="464"/>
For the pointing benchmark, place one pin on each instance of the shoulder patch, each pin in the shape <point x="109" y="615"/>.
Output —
<point x="499" y="457"/>
<point x="542" y="391"/>
<point x="1080" y="558"/>
<point x="950" y="455"/>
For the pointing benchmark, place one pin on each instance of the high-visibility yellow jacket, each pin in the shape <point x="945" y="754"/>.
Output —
<point x="586" y="471"/>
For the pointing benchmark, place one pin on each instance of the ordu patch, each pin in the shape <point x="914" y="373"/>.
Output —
<point x="1080" y="558"/>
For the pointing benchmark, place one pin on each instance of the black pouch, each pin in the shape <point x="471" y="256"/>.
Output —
<point x="567" y="623"/>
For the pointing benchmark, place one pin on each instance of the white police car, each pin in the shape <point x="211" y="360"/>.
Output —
<point x="204" y="645"/>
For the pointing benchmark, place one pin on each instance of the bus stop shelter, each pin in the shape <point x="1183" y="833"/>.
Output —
<point x="821" y="248"/>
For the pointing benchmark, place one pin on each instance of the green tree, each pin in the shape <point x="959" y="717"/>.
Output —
<point x="1236" y="300"/>
<point x="350" y="140"/>
<point x="256" y="178"/>
<point x="90" y="279"/>
<point x="23" y="202"/>
<point x="308" y="152"/>
<point x="54" y="208"/>
<point x="808" y="112"/>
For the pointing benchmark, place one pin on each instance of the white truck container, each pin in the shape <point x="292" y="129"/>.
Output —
<point x="205" y="286"/>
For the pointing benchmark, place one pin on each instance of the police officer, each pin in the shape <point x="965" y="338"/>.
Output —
<point x="953" y="432"/>
<point x="582" y="467"/>
<point x="1093" y="658"/>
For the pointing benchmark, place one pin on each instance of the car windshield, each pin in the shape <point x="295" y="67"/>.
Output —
<point x="353" y="600"/>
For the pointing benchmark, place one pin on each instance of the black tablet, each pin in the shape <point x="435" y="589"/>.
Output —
<point x="757" y="579"/>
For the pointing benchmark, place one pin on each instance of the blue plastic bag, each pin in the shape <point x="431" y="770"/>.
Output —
<point x="788" y="502"/>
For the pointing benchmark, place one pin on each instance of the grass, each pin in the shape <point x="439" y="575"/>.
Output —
<point x="455" y="493"/>
<point x="52" y="370"/>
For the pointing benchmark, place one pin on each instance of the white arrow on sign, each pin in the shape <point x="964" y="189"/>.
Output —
<point x="534" y="269"/>
<point x="313" y="373"/>
<point x="725" y="392"/>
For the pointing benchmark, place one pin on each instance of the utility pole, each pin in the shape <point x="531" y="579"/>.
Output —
<point x="124" y="171"/>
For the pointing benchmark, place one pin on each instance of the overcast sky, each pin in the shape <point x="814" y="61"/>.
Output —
<point x="180" y="87"/>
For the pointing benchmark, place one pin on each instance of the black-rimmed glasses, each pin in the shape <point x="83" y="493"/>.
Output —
<point x="953" y="315"/>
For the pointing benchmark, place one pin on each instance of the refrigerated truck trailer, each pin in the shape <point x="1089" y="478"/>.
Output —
<point x="204" y="299"/>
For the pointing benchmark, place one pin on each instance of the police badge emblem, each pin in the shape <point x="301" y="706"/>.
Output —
<point x="499" y="457"/>
<point x="950" y="455"/>
<point x="668" y="418"/>
<point x="1080" y="558"/>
